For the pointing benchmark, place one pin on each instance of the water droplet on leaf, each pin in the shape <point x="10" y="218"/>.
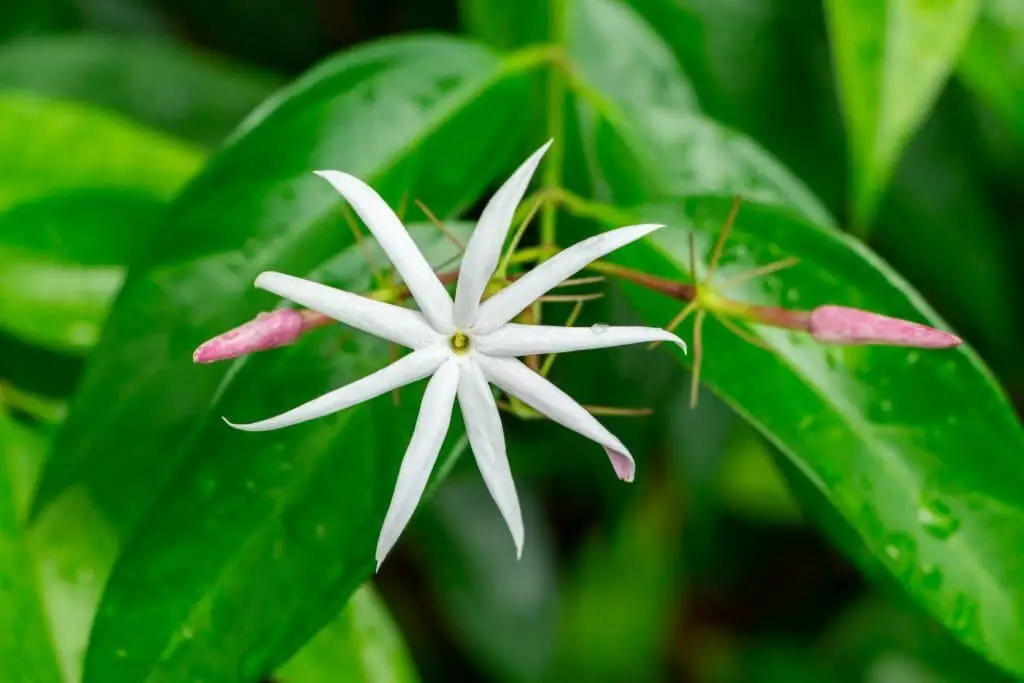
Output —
<point x="599" y="328"/>
<point x="901" y="552"/>
<point x="937" y="518"/>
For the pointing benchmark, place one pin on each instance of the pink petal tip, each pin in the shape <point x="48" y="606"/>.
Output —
<point x="622" y="463"/>
<point x="842" y="325"/>
<point x="266" y="331"/>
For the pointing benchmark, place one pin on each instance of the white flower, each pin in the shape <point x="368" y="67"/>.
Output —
<point x="463" y="345"/>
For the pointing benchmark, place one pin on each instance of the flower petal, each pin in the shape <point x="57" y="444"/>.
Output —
<point x="514" y="377"/>
<point x="394" y="323"/>
<point x="509" y="302"/>
<point x="394" y="239"/>
<point x="424" y="447"/>
<point x="484" y="247"/>
<point x="525" y="340"/>
<point x="405" y="370"/>
<point x="487" y="439"/>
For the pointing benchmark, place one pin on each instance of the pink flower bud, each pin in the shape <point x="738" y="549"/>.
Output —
<point x="266" y="331"/>
<point x="842" y="325"/>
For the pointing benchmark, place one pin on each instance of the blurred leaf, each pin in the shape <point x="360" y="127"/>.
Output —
<point x="940" y="229"/>
<point x="363" y="645"/>
<point x="26" y="653"/>
<point x="750" y="485"/>
<point x="875" y="635"/>
<point x="643" y="136"/>
<point x="37" y="17"/>
<point x="888" y="435"/>
<point x="189" y="94"/>
<point x="507" y="25"/>
<point x="623" y="596"/>
<point x="993" y="61"/>
<point x="504" y="612"/>
<point x="277" y="522"/>
<point x="62" y="260"/>
<point x="892" y="59"/>
<point x="283" y="34"/>
<point x="762" y="67"/>
<point x="48" y="146"/>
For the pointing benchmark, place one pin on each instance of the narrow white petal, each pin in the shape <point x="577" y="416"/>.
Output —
<point x="509" y="302"/>
<point x="405" y="370"/>
<point x="394" y="239"/>
<point x="520" y="381"/>
<point x="525" y="340"/>
<point x="394" y="323"/>
<point x="487" y="439"/>
<point x="424" y="447"/>
<point x="484" y="247"/>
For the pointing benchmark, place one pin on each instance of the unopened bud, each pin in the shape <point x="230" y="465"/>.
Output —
<point x="842" y="325"/>
<point x="266" y="331"/>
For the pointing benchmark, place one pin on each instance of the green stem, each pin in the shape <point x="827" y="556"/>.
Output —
<point x="38" y="407"/>
<point x="555" y="123"/>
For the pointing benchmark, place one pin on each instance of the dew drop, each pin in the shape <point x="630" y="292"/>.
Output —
<point x="599" y="328"/>
<point x="913" y="357"/>
<point x="885" y="406"/>
<point x="187" y="633"/>
<point x="937" y="519"/>
<point x="901" y="551"/>
<point x="121" y="653"/>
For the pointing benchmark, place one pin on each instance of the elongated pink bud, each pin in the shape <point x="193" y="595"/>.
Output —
<point x="265" y="331"/>
<point x="842" y="325"/>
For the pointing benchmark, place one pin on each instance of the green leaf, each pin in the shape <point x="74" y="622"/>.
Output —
<point x="27" y="651"/>
<point x="63" y="258"/>
<point x="290" y="516"/>
<point x="644" y="138"/>
<point x="892" y="59"/>
<point x="49" y="146"/>
<point x="363" y="645"/>
<point x="993" y="61"/>
<point x="889" y="436"/>
<point x="192" y="95"/>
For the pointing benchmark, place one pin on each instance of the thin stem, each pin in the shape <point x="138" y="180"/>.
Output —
<point x="766" y="269"/>
<point x="698" y="353"/>
<point x="676" y="321"/>
<point x="730" y="220"/>
<point x="569" y="322"/>
<point x="741" y="333"/>
<point x="43" y="409"/>
<point x="440" y="225"/>
<point x="558" y="10"/>
<point x="516" y="237"/>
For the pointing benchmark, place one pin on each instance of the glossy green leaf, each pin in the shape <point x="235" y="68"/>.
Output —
<point x="644" y="137"/>
<point x="290" y="516"/>
<point x="62" y="260"/>
<point x="889" y="436"/>
<point x="192" y="95"/>
<point x="26" y="652"/>
<point x="363" y="645"/>
<point x="993" y="61"/>
<point x="892" y="59"/>
<point x="75" y="147"/>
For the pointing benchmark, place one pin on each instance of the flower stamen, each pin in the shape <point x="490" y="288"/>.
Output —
<point x="459" y="342"/>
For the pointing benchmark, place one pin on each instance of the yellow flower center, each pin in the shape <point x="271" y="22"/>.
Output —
<point x="459" y="342"/>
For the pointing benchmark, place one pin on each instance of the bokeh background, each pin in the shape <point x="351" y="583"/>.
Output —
<point x="706" y="570"/>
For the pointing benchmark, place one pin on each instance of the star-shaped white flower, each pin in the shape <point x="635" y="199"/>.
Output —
<point x="463" y="345"/>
